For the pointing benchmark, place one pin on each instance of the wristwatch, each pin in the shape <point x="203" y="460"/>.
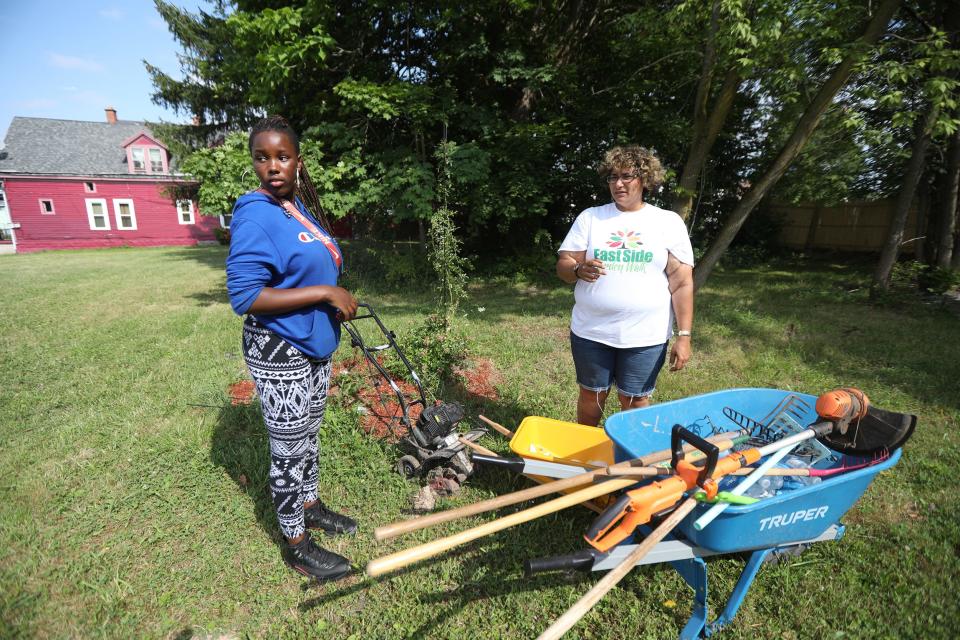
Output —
<point x="683" y="333"/>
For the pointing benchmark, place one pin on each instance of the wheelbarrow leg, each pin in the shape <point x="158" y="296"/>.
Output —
<point x="739" y="591"/>
<point x="694" y="573"/>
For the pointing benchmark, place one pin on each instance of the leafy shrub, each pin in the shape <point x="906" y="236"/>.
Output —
<point x="434" y="349"/>
<point x="536" y="260"/>
<point x="746" y="256"/>
<point x="222" y="235"/>
<point x="389" y="265"/>
<point x="912" y="279"/>
<point x="938" y="280"/>
<point x="904" y="277"/>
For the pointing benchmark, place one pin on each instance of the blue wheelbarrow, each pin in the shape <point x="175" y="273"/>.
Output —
<point x="796" y="517"/>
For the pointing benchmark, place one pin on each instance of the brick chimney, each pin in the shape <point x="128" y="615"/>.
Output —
<point x="111" y="115"/>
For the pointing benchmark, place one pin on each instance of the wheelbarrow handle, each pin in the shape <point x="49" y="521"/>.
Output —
<point x="511" y="464"/>
<point x="582" y="560"/>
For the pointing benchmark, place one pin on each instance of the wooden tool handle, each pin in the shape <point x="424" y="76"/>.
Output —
<point x="477" y="447"/>
<point x="481" y="449"/>
<point x="401" y="559"/>
<point x="565" y="622"/>
<point x="415" y="524"/>
<point x="497" y="427"/>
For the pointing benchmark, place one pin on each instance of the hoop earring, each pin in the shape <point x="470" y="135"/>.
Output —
<point x="243" y="176"/>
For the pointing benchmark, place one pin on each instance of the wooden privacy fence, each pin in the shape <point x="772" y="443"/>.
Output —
<point x="852" y="226"/>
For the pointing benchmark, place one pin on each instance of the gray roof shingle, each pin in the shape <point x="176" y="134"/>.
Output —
<point x="47" y="146"/>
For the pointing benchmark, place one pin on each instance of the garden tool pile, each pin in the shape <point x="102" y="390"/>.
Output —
<point x="671" y="513"/>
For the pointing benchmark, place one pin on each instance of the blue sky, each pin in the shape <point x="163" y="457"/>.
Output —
<point x="71" y="59"/>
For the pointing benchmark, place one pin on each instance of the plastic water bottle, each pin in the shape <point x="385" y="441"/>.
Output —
<point x="792" y="483"/>
<point x="765" y="487"/>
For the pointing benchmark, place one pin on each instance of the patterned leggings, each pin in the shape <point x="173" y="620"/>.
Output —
<point x="293" y="395"/>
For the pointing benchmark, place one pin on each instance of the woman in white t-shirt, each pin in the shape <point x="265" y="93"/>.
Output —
<point x="633" y="267"/>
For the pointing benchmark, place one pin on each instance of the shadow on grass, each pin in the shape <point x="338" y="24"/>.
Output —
<point x="240" y="446"/>
<point x="494" y="573"/>
<point x="209" y="256"/>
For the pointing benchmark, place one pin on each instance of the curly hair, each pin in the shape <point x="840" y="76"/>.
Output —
<point x="642" y="160"/>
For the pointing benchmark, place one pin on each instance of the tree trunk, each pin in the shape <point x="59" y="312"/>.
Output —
<point x="955" y="263"/>
<point x="705" y="134"/>
<point x="801" y="134"/>
<point x="704" y="119"/>
<point x="918" y="154"/>
<point x="948" y="211"/>
<point x="923" y="221"/>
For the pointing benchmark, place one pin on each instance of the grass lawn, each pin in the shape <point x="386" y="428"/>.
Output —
<point x="133" y="499"/>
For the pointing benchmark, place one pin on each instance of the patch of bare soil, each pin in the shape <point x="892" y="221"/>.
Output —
<point x="480" y="379"/>
<point x="361" y="386"/>
<point x="241" y="392"/>
<point x="366" y="390"/>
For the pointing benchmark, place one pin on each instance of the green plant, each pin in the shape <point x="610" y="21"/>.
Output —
<point x="435" y="348"/>
<point x="756" y="241"/>
<point x="938" y="280"/>
<point x="222" y="235"/>
<point x="385" y="265"/>
<point x="444" y="248"/>
<point x="535" y="261"/>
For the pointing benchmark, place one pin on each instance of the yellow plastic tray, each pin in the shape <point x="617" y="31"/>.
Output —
<point x="565" y="442"/>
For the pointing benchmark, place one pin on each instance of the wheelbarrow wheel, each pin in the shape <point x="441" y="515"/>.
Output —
<point x="408" y="466"/>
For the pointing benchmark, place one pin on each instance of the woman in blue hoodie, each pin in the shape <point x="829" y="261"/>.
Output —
<point x="282" y="273"/>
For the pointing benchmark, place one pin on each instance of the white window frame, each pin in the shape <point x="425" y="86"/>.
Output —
<point x="159" y="153"/>
<point x="106" y="213"/>
<point x="143" y="159"/>
<point x="43" y="209"/>
<point x="180" y="212"/>
<point x="89" y="187"/>
<point x="223" y="220"/>
<point x="116" y="213"/>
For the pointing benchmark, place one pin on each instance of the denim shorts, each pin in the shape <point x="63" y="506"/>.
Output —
<point x="634" y="370"/>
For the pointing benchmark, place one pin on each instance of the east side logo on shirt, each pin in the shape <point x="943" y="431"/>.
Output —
<point x="625" y="253"/>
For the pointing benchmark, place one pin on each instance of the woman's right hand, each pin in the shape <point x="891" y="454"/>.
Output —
<point x="343" y="301"/>
<point x="591" y="270"/>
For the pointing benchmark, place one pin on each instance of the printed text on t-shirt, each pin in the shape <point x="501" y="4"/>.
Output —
<point x="624" y="260"/>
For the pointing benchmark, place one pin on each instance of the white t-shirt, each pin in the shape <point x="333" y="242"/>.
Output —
<point x="630" y="306"/>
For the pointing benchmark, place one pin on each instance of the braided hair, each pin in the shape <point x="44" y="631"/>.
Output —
<point x="305" y="189"/>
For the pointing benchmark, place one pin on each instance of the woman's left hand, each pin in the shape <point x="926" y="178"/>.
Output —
<point x="679" y="353"/>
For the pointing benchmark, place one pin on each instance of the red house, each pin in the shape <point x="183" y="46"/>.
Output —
<point x="67" y="184"/>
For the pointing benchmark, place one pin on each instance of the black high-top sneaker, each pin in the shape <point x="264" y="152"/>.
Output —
<point x="316" y="562"/>
<point x="319" y="516"/>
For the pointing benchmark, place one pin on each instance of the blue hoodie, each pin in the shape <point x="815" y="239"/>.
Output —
<point x="271" y="248"/>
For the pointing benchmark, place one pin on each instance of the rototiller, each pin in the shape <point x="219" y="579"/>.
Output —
<point x="432" y="440"/>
